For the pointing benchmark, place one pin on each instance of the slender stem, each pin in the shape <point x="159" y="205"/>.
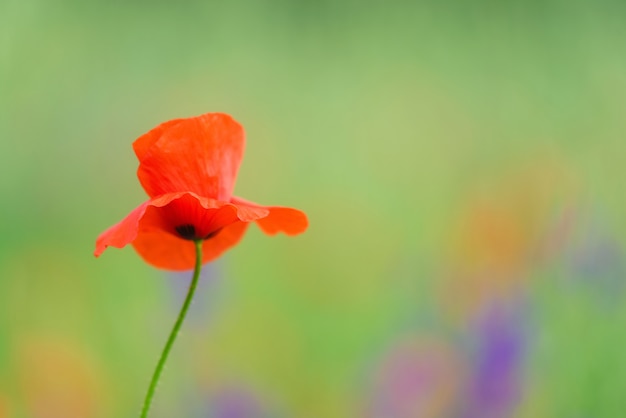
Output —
<point x="174" y="332"/>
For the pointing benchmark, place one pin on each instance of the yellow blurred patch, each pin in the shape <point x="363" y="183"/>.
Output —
<point x="57" y="378"/>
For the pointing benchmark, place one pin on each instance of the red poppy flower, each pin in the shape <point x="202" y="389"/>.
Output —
<point x="188" y="167"/>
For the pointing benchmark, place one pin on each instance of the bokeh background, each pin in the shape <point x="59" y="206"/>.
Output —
<point x="462" y="165"/>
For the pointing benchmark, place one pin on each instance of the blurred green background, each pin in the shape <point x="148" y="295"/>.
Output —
<point x="461" y="163"/>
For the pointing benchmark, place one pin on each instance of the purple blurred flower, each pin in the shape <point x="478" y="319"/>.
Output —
<point x="495" y="382"/>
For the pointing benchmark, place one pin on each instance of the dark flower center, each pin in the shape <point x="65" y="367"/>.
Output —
<point x="186" y="231"/>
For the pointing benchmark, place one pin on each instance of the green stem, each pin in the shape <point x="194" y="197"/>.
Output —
<point x="174" y="332"/>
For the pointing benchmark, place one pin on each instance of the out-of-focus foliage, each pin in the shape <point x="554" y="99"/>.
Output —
<point x="462" y="165"/>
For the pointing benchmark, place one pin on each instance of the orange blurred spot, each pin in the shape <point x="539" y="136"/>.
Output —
<point x="57" y="379"/>
<point x="499" y="235"/>
<point x="492" y="239"/>
<point x="4" y="407"/>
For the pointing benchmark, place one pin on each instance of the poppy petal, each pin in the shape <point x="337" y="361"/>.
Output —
<point x="122" y="233"/>
<point x="165" y="226"/>
<point x="203" y="215"/>
<point x="200" y="154"/>
<point x="167" y="251"/>
<point x="145" y="141"/>
<point x="279" y="219"/>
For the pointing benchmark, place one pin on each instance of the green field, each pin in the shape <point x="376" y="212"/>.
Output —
<point x="462" y="165"/>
